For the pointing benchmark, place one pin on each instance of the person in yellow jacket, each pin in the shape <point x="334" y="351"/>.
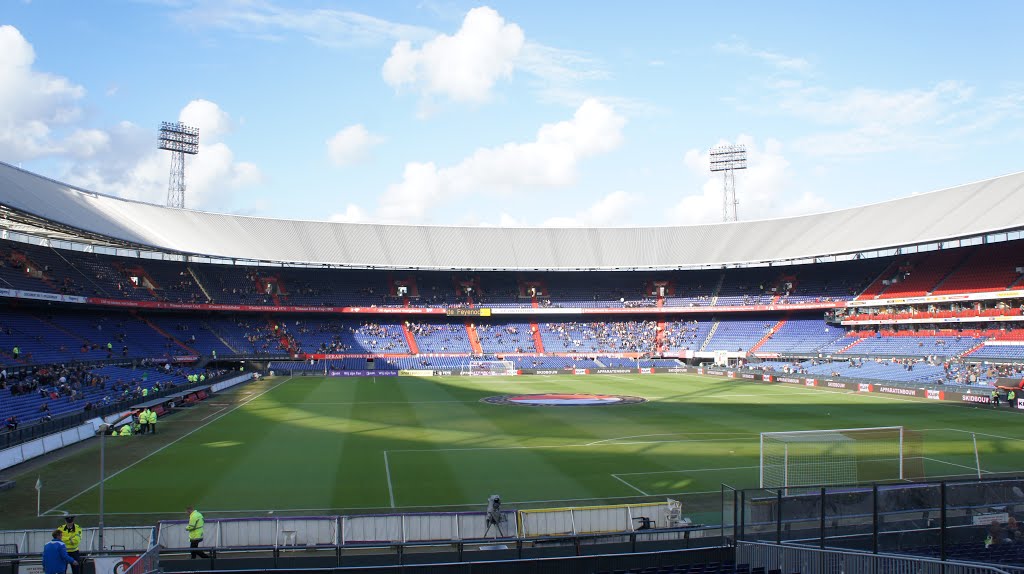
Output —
<point x="144" y="420"/>
<point x="126" y="430"/>
<point x="195" y="532"/>
<point x="152" y="422"/>
<point x="72" y="538"/>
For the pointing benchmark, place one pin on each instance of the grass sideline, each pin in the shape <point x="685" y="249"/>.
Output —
<point x="314" y="445"/>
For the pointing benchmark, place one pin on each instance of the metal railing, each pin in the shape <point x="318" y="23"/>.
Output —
<point x="148" y="563"/>
<point x="789" y="558"/>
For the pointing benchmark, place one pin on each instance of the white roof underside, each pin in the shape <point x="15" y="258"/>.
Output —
<point x="968" y="210"/>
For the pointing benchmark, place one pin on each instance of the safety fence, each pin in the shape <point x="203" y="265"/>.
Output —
<point x="8" y="559"/>
<point x="131" y="539"/>
<point x="148" y="563"/>
<point x="971" y="520"/>
<point x="313" y="531"/>
<point x="788" y="559"/>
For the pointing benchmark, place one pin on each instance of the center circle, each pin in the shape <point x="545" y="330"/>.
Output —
<point x="563" y="400"/>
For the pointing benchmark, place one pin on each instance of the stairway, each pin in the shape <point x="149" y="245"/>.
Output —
<point x="875" y="288"/>
<point x="775" y="328"/>
<point x="659" y="337"/>
<point x="711" y="333"/>
<point x="716" y="291"/>
<point x="474" y="338"/>
<point x="282" y="338"/>
<point x="538" y="341"/>
<point x="219" y="337"/>
<point x="199" y="283"/>
<point x="165" y="334"/>
<point x="410" y="339"/>
<point x="964" y="261"/>
<point x="59" y="328"/>
<point x="971" y="350"/>
<point x="850" y="346"/>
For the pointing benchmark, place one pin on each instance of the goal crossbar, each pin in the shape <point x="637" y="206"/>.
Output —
<point x="831" y="456"/>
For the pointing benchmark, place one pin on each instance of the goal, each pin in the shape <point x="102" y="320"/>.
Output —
<point x="489" y="368"/>
<point x="832" y="457"/>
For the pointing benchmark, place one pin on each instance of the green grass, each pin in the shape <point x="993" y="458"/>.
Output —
<point x="318" y="445"/>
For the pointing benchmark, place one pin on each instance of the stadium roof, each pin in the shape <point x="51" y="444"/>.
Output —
<point x="28" y="200"/>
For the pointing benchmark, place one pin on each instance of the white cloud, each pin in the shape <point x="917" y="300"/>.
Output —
<point x="762" y="188"/>
<point x="775" y="59"/>
<point x="352" y="214"/>
<point x="610" y="211"/>
<point x="129" y="166"/>
<point x="506" y="220"/>
<point x="265" y="20"/>
<point x="464" y="66"/>
<point x="213" y="122"/>
<point x="864" y="121"/>
<point x="551" y="160"/>
<point x="351" y="145"/>
<point x="556" y="73"/>
<point x="34" y="104"/>
<point x="87" y="142"/>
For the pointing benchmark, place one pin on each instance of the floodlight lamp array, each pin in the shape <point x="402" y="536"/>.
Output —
<point x="728" y="157"/>
<point x="176" y="136"/>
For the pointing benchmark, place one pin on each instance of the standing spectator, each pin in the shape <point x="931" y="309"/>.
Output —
<point x="55" y="555"/>
<point x="195" y="532"/>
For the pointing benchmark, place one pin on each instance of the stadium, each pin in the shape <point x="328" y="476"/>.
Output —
<point x="787" y="394"/>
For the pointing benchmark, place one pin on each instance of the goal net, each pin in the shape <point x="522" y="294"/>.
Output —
<point x="832" y="457"/>
<point x="489" y="368"/>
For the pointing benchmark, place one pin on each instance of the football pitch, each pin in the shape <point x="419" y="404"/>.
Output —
<point x="315" y="445"/>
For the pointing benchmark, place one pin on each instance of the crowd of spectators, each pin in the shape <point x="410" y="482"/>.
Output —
<point x="90" y="387"/>
<point x="607" y="337"/>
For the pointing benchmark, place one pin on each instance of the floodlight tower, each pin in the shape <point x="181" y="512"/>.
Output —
<point x="727" y="159"/>
<point x="178" y="139"/>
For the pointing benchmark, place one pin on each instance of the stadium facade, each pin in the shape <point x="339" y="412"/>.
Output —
<point x="965" y="212"/>
<point x="934" y="280"/>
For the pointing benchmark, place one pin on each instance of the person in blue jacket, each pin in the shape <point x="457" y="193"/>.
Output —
<point x="55" y="555"/>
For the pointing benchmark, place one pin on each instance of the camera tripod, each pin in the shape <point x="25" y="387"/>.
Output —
<point x="494" y="519"/>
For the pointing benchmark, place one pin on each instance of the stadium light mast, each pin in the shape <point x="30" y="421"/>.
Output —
<point x="727" y="159"/>
<point x="178" y="139"/>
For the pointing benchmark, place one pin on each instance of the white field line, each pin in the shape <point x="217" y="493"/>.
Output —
<point x="214" y="413"/>
<point x="186" y="435"/>
<point x="542" y="447"/>
<point x="471" y="505"/>
<point x="317" y="403"/>
<point x="387" y="471"/>
<point x="984" y="434"/>
<point x="685" y="470"/>
<point x="970" y="468"/>
<point x="623" y="481"/>
<point x="607" y="440"/>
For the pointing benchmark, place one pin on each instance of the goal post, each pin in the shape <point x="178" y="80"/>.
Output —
<point x="833" y="457"/>
<point x="482" y="368"/>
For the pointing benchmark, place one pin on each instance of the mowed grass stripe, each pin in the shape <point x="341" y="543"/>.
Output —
<point x="318" y="443"/>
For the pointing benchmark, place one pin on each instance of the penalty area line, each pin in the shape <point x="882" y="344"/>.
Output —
<point x="175" y="441"/>
<point x="387" y="471"/>
<point x="624" y="481"/>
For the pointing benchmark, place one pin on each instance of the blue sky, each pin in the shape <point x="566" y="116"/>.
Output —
<point x="514" y="113"/>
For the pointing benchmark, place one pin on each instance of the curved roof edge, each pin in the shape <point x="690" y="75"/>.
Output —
<point x="980" y="208"/>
